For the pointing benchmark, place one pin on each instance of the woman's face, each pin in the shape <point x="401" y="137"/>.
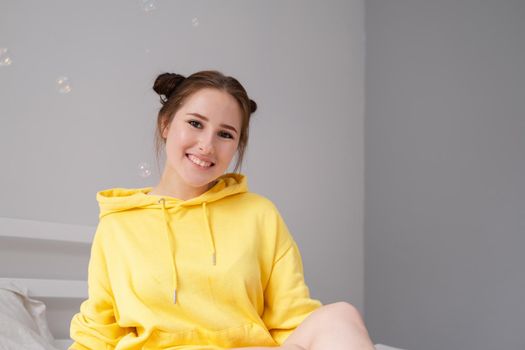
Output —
<point x="202" y="138"/>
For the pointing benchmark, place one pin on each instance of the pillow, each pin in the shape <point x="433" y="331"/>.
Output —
<point x="23" y="323"/>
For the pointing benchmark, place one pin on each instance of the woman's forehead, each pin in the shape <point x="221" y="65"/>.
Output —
<point x="213" y="104"/>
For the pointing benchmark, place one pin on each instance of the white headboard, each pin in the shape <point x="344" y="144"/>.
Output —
<point x="50" y="260"/>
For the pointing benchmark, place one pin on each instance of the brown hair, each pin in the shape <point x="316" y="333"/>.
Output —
<point x="174" y="89"/>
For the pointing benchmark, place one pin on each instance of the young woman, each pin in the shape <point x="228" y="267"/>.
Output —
<point x="198" y="261"/>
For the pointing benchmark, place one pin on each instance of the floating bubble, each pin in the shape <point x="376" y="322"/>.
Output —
<point x="195" y="22"/>
<point x="63" y="85"/>
<point x="5" y="60"/>
<point x="148" y="5"/>
<point x="144" y="170"/>
<point x="147" y="51"/>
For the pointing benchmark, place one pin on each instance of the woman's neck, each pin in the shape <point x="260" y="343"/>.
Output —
<point x="171" y="186"/>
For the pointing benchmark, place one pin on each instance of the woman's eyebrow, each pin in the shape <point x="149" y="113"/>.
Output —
<point x="200" y="116"/>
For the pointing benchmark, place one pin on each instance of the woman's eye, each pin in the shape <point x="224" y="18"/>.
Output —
<point x="225" y="134"/>
<point x="195" y="123"/>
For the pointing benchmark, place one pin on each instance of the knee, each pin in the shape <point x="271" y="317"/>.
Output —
<point x="343" y="313"/>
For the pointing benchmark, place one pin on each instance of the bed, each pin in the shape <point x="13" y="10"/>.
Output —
<point x="43" y="274"/>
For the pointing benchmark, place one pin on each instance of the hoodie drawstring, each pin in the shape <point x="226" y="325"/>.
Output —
<point x="172" y="247"/>
<point x="213" y="252"/>
<point x="171" y="242"/>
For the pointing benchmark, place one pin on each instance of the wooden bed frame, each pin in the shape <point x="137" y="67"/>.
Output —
<point x="50" y="260"/>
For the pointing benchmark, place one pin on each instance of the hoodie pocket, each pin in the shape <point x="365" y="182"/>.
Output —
<point x="241" y="336"/>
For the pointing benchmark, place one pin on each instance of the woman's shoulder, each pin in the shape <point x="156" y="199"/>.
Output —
<point x="254" y="204"/>
<point x="256" y="200"/>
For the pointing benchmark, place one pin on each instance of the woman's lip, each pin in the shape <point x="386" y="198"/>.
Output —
<point x="206" y="159"/>
<point x="200" y="158"/>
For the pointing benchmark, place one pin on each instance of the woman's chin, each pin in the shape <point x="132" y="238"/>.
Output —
<point x="200" y="182"/>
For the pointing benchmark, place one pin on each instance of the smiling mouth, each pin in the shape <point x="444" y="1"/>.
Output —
<point x="202" y="163"/>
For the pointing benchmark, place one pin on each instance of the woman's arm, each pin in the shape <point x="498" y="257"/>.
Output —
<point x="96" y="326"/>
<point x="287" y="297"/>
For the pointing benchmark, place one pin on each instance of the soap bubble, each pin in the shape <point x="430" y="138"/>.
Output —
<point x="148" y="5"/>
<point x="144" y="170"/>
<point x="63" y="85"/>
<point x="195" y="22"/>
<point x="5" y="60"/>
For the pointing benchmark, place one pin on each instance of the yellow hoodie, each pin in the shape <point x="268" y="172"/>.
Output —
<point x="217" y="271"/>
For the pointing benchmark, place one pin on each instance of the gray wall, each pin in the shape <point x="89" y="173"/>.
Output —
<point x="445" y="170"/>
<point x="302" y="61"/>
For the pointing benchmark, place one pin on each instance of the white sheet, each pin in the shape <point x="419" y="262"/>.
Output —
<point x="385" y="347"/>
<point x="23" y="323"/>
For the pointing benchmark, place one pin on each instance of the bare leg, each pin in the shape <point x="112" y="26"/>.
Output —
<point x="283" y="347"/>
<point x="337" y="326"/>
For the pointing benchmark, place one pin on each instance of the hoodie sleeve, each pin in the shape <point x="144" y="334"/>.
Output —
<point x="287" y="298"/>
<point x="95" y="326"/>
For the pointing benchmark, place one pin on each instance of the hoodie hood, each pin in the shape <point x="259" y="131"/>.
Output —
<point x="120" y="199"/>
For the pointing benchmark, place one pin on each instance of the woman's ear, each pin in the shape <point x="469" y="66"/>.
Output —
<point x="165" y="127"/>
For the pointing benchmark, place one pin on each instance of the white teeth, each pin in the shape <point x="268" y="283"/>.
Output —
<point x="197" y="161"/>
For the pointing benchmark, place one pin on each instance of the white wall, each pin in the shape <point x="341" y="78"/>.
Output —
<point x="302" y="61"/>
<point x="445" y="170"/>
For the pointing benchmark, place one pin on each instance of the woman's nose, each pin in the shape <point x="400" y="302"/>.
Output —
<point x="206" y="145"/>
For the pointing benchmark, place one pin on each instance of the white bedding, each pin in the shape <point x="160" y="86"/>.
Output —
<point x="385" y="347"/>
<point x="23" y="323"/>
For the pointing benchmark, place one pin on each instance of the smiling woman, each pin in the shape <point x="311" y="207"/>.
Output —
<point x="201" y="140"/>
<point x="198" y="261"/>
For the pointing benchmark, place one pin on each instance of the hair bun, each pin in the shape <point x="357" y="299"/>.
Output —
<point x="253" y="106"/>
<point x="166" y="83"/>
